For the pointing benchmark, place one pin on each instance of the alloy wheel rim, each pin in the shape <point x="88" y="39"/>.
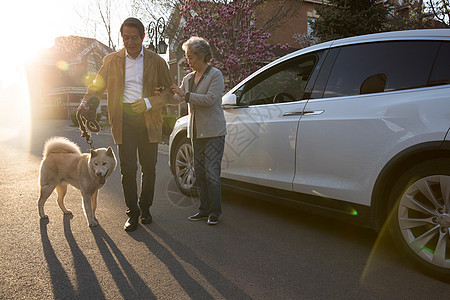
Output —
<point x="424" y="219"/>
<point x="184" y="166"/>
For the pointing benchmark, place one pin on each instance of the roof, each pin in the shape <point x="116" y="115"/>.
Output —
<point x="72" y="48"/>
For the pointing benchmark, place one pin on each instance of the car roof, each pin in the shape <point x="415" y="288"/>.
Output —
<point x="419" y="34"/>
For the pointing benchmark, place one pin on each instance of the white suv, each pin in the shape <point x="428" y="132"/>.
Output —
<point x="357" y="128"/>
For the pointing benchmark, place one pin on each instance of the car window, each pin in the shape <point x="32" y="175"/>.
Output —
<point x="441" y="68"/>
<point x="283" y="83"/>
<point x="379" y="67"/>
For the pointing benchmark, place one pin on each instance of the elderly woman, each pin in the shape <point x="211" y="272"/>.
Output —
<point x="202" y="89"/>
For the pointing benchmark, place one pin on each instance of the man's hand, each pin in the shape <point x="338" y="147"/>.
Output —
<point x="139" y="106"/>
<point x="82" y="106"/>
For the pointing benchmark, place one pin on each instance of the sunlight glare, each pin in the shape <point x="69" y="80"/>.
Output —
<point x="62" y="65"/>
<point x="27" y="27"/>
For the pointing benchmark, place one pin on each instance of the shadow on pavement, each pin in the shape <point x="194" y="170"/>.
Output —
<point x="197" y="278"/>
<point x="87" y="282"/>
<point x="60" y="280"/>
<point x="128" y="281"/>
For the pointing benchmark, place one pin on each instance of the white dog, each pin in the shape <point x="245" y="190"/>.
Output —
<point x="63" y="163"/>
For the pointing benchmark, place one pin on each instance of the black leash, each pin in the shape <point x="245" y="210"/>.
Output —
<point x="87" y="119"/>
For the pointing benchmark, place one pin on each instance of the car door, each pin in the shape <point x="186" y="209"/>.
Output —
<point x="358" y="113"/>
<point x="262" y="128"/>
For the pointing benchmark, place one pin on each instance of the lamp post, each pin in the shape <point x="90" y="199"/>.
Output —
<point x="154" y="30"/>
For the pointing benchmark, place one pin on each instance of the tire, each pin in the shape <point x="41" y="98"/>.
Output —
<point x="183" y="164"/>
<point x="420" y="216"/>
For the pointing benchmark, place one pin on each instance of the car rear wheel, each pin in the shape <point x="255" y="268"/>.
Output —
<point x="420" y="216"/>
<point x="184" y="167"/>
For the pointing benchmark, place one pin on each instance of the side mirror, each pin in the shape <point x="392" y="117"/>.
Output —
<point x="229" y="101"/>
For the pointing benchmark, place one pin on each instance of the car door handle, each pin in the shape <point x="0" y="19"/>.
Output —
<point x="292" y="113"/>
<point x="313" y="112"/>
<point x="303" y="113"/>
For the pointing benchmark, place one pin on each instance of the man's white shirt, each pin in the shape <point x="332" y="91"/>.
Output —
<point x="134" y="73"/>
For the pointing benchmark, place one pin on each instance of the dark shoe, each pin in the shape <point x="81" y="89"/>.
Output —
<point x="131" y="224"/>
<point x="197" y="217"/>
<point x="146" y="218"/>
<point x="213" y="220"/>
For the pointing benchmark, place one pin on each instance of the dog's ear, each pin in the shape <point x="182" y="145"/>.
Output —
<point x="93" y="153"/>
<point x="109" y="152"/>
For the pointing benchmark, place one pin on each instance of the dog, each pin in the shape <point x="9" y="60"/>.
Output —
<point x="63" y="164"/>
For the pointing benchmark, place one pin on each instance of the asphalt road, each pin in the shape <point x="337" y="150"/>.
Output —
<point x="257" y="251"/>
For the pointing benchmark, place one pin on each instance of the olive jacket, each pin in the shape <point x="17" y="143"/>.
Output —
<point x="111" y="78"/>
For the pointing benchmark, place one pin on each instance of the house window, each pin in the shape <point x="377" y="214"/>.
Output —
<point x="308" y="26"/>
<point x="311" y="17"/>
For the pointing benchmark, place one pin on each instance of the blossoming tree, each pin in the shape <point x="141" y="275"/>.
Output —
<point x="239" y="47"/>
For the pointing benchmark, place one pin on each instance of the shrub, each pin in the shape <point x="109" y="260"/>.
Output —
<point x="168" y="124"/>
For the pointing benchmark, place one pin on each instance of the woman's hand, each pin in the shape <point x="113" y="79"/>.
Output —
<point x="176" y="90"/>
<point x="158" y="90"/>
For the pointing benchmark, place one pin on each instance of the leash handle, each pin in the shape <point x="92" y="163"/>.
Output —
<point x="87" y="119"/>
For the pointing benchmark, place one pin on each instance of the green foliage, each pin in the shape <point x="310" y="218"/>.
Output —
<point x="418" y="14"/>
<point x="344" y="18"/>
<point x="73" y="117"/>
<point x="168" y="124"/>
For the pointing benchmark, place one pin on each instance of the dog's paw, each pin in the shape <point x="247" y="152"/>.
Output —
<point x="44" y="217"/>
<point x="68" y="212"/>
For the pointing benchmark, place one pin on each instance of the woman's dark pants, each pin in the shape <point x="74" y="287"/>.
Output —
<point x="208" y="154"/>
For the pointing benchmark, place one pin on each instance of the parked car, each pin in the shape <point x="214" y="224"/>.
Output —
<point x="356" y="128"/>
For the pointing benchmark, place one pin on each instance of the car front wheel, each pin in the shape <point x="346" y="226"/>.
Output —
<point x="184" y="167"/>
<point x="420" y="220"/>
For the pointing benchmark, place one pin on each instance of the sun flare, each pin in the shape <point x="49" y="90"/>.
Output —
<point x="24" y="32"/>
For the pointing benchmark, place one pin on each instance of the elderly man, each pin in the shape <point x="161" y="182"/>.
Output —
<point x="130" y="76"/>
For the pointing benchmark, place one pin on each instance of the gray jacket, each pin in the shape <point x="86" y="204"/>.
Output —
<point x="205" y="104"/>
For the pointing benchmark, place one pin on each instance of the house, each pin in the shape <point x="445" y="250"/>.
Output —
<point x="295" y="23"/>
<point x="59" y="76"/>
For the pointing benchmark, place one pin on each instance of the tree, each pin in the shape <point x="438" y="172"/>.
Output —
<point x="305" y="39"/>
<point x="419" y="14"/>
<point x="344" y="18"/>
<point x="239" y="47"/>
<point x="238" y="39"/>
<point x="153" y="9"/>
<point x="440" y="11"/>
<point x="102" y="20"/>
<point x="410" y="14"/>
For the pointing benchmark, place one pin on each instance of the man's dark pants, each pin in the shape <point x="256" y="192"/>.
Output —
<point x="135" y="141"/>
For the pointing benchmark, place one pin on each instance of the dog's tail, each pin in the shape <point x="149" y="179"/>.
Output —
<point x="60" y="145"/>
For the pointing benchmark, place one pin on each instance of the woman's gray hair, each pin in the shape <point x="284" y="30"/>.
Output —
<point x="199" y="46"/>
